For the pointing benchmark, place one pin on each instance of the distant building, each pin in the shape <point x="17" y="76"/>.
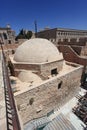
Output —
<point x="7" y="35"/>
<point x="62" y="34"/>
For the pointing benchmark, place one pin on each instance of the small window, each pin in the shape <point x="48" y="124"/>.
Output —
<point x="31" y="101"/>
<point x="5" y="36"/>
<point x="54" y="71"/>
<point x="9" y="41"/>
<point x="13" y="51"/>
<point x="60" y="84"/>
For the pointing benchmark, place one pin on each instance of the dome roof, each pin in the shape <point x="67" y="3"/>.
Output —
<point x="37" y="50"/>
<point x="28" y="76"/>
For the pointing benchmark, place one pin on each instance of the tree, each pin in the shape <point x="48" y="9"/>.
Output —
<point x="23" y="34"/>
<point x="29" y="34"/>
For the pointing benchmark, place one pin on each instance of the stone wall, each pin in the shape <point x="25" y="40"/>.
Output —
<point x="40" y="100"/>
<point x="27" y="66"/>
<point x="60" y="34"/>
<point x="43" y="69"/>
<point x="77" y="49"/>
<point x="84" y="50"/>
<point x="48" y="34"/>
<point x="20" y="41"/>
<point x="72" y="43"/>
<point x="7" y="35"/>
<point x="70" y="55"/>
<point x="46" y="68"/>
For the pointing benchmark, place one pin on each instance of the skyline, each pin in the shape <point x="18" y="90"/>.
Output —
<point x="48" y="13"/>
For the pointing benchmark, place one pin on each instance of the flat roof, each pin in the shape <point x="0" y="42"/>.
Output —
<point x="69" y="29"/>
<point x="24" y="86"/>
<point x="62" y="118"/>
<point x="63" y="29"/>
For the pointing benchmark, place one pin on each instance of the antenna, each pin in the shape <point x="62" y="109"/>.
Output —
<point x="35" y="23"/>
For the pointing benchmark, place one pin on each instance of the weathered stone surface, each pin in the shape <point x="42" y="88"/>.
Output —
<point x="47" y="96"/>
<point x="37" y="50"/>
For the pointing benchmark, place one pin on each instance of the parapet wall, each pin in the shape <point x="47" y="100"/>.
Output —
<point x="72" y="42"/>
<point x="40" y="100"/>
<point x="70" y="55"/>
<point x="27" y="66"/>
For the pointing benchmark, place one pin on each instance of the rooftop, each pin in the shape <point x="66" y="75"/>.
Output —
<point x="22" y="86"/>
<point x="63" y="118"/>
<point x="64" y="29"/>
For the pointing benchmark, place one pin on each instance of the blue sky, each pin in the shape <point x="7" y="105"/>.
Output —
<point x="48" y="13"/>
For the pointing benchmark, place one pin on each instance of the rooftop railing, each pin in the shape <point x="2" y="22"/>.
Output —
<point x="12" y="119"/>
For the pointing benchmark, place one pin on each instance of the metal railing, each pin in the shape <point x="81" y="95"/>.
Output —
<point x="11" y="111"/>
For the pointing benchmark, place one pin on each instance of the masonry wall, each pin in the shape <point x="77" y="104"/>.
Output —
<point x="41" y="69"/>
<point x="46" y="68"/>
<point x="84" y="51"/>
<point x="27" y="66"/>
<point x="71" y="36"/>
<point x="77" y="49"/>
<point x="72" y="43"/>
<point x="47" y="96"/>
<point x="7" y="36"/>
<point x="20" y="41"/>
<point x="70" y="55"/>
<point x="48" y="34"/>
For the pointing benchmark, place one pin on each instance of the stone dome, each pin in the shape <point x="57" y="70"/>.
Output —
<point x="37" y="50"/>
<point x="28" y="76"/>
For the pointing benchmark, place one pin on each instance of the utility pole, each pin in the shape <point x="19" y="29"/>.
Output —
<point x="35" y="23"/>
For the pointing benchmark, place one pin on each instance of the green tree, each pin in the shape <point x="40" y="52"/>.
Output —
<point x="23" y="34"/>
<point x="29" y="34"/>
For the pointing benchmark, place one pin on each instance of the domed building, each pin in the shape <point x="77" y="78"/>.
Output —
<point x="37" y="51"/>
<point x="39" y="55"/>
<point x="28" y="76"/>
<point x="47" y="81"/>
